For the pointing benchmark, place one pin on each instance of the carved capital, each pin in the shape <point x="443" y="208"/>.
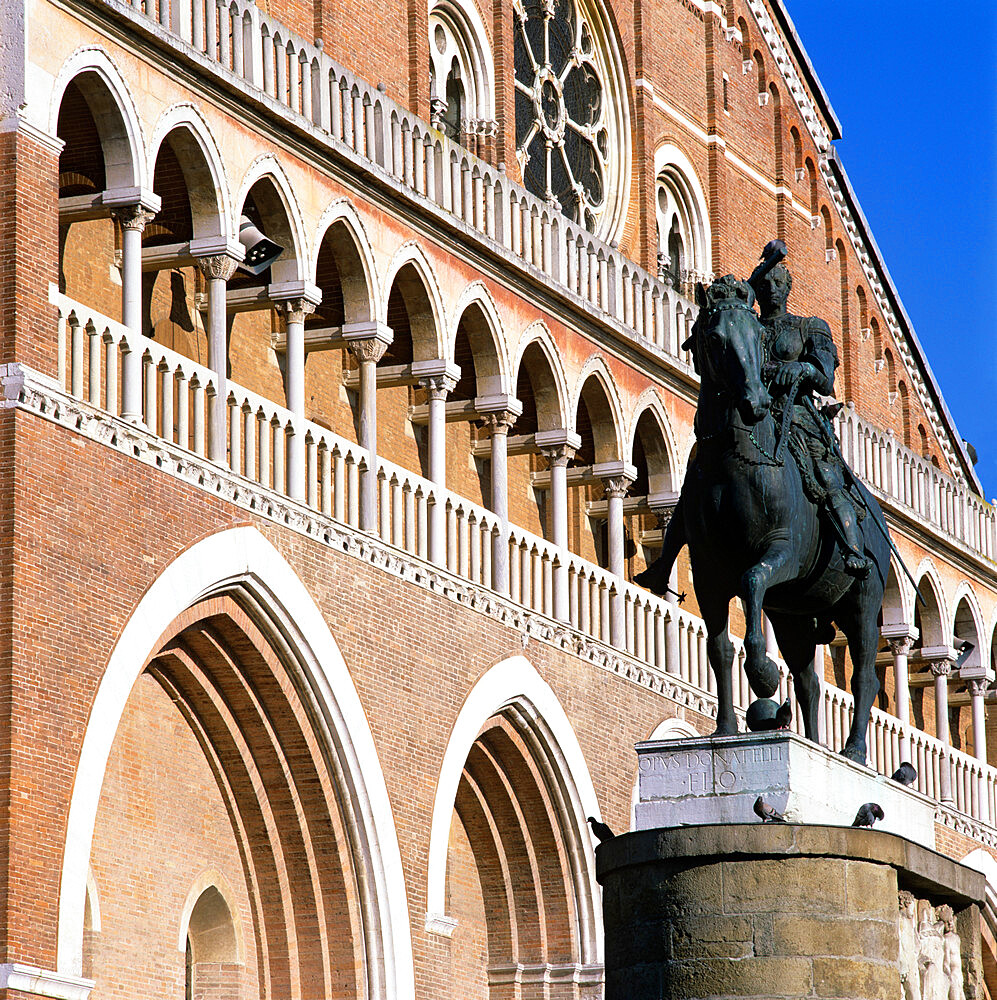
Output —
<point x="663" y="516"/>
<point x="295" y="310"/>
<point x="217" y="265"/>
<point x="978" y="688"/>
<point x="499" y="421"/>
<point x="900" y="645"/>
<point x="940" y="668"/>
<point x="133" y="216"/>
<point x="367" y="349"/>
<point x="615" y="487"/>
<point x="438" y="386"/>
<point x="558" y="455"/>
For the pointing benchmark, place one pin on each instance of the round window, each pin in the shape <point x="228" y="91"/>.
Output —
<point x="571" y="133"/>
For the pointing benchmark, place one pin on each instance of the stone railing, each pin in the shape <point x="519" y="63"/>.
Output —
<point x="236" y="39"/>
<point x="603" y="608"/>
<point x="911" y="483"/>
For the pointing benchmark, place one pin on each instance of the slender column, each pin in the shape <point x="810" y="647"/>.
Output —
<point x="615" y="488"/>
<point x="977" y="692"/>
<point x="217" y="269"/>
<point x="557" y="459"/>
<point x="664" y="516"/>
<point x="900" y="648"/>
<point x="295" y="310"/>
<point x="500" y="422"/>
<point x="438" y="387"/>
<point x="133" y="220"/>
<point x="367" y="342"/>
<point x="941" y="669"/>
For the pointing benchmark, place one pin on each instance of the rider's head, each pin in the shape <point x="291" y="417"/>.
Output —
<point x="773" y="290"/>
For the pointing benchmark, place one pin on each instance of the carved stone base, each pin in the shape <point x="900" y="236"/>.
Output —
<point x="717" y="779"/>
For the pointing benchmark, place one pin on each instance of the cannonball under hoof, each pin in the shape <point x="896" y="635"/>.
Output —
<point x="763" y="677"/>
<point x="760" y="715"/>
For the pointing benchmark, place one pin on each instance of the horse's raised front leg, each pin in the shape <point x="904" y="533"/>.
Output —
<point x="719" y="649"/>
<point x="777" y="565"/>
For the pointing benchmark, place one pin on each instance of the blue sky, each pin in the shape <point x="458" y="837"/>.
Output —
<point x="914" y="86"/>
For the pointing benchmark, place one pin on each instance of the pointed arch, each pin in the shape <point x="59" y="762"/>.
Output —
<point x="898" y="598"/>
<point x="515" y="685"/>
<point x="935" y="617"/>
<point x="650" y="402"/>
<point x="429" y="341"/>
<point x="205" y="882"/>
<point x="204" y="172"/>
<point x="683" y="216"/>
<point x="354" y="260"/>
<point x="113" y="109"/>
<point x="266" y="168"/>
<point x="610" y="447"/>
<point x="490" y="344"/>
<point x="967" y="622"/>
<point x="242" y="560"/>
<point x="553" y="406"/>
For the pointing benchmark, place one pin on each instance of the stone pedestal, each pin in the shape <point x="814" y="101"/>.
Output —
<point x="780" y="912"/>
<point x="717" y="779"/>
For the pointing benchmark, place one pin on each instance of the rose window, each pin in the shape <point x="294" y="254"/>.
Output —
<point x="568" y="127"/>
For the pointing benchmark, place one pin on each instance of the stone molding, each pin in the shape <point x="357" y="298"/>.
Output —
<point x="44" y="982"/>
<point x="36" y="394"/>
<point x="440" y="924"/>
<point x="294" y="310"/>
<point x="133" y="216"/>
<point x="558" y="455"/>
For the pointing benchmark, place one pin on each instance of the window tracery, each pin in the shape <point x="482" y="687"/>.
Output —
<point x="682" y="222"/>
<point x="570" y="113"/>
<point x="461" y="75"/>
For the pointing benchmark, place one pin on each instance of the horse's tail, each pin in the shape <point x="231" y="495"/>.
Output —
<point x="655" y="577"/>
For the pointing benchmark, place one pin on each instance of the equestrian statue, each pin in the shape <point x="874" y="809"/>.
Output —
<point x="769" y="509"/>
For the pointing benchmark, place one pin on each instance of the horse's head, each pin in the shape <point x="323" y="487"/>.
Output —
<point x="726" y="343"/>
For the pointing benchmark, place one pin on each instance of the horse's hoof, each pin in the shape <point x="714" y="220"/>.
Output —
<point x="727" y="729"/>
<point x="856" y="754"/>
<point x="763" y="677"/>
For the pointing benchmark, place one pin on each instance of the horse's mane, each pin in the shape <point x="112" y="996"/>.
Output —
<point x="726" y="290"/>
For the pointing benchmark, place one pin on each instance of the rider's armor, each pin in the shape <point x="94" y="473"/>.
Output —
<point x="808" y="340"/>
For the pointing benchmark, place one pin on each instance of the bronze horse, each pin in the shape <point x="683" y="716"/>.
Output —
<point x="752" y="531"/>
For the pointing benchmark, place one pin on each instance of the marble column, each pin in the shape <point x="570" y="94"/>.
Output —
<point x="133" y="220"/>
<point x="615" y="489"/>
<point x="217" y="269"/>
<point x="295" y="310"/>
<point x="900" y="649"/>
<point x="438" y="387"/>
<point x="940" y="670"/>
<point x="977" y="692"/>
<point x="499" y="423"/>
<point x="367" y="342"/>
<point x="558" y="458"/>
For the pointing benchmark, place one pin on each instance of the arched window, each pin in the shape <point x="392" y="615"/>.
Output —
<point x="212" y="962"/>
<point x="462" y="98"/>
<point x="572" y="127"/>
<point x="682" y="220"/>
<point x="794" y="135"/>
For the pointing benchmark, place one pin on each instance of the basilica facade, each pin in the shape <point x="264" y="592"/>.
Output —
<point x="346" y="389"/>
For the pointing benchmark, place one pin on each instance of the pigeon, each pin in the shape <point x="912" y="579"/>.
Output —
<point x="905" y="774"/>
<point x="601" y="830"/>
<point x="767" y="813"/>
<point x="784" y="715"/>
<point x="868" y="814"/>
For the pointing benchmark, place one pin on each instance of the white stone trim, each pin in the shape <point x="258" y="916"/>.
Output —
<point x="43" y="982"/>
<point x="18" y="123"/>
<point x="515" y="683"/>
<point x="537" y="332"/>
<point x="410" y="252"/>
<point x="596" y="365"/>
<point x="342" y="210"/>
<point x="243" y="557"/>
